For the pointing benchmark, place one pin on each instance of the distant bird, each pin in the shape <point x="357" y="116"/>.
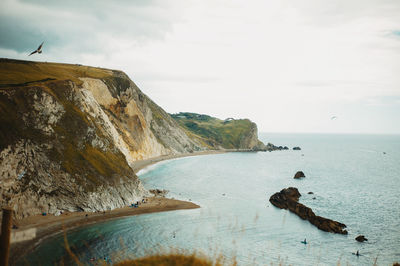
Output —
<point x="38" y="50"/>
<point x="333" y="117"/>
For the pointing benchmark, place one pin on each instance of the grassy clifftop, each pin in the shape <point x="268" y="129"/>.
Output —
<point x="22" y="73"/>
<point x="217" y="133"/>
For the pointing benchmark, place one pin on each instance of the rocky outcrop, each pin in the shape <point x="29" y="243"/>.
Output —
<point x="272" y="147"/>
<point x="69" y="136"/>
<point x="299" y="174"/>
<point x="361" y="238"/>
<point x="288" y="199"/>
<point x="296" y="148"/>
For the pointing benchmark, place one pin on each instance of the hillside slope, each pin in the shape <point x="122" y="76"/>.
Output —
<point x="216" y="133"/>
<point x="69" y="134"/>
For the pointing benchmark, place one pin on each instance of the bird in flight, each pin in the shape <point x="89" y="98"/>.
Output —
<point x="38" y="50"/>
<point x="333" y="117"/>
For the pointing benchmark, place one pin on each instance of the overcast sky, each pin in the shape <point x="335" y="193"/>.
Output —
<point x="287" y="65"/>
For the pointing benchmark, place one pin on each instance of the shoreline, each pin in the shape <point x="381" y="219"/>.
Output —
<point x="141" y="164"/>
<point x="51" y="226"/>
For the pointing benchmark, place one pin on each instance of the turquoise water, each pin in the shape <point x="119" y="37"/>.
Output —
<point x="353" y="182"/>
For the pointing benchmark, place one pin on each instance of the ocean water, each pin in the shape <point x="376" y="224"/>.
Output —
<point x="355" y="180"/>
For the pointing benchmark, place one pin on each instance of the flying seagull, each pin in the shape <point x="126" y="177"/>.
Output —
<point x="38" y="50"/>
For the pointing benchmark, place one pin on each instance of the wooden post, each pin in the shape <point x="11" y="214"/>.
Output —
<point x="5" y="236"/>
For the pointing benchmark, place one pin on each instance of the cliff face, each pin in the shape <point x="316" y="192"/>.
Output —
<point x="69" y="135"/>
<point x="216" y="133"/>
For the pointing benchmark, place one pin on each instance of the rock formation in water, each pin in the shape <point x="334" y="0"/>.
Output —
<point x="296" y="148"/>
<point x="288" y="199"/>
<point x="299" y="174"/>
<point x="361" y="238"/>
<point x="70" y="135"/>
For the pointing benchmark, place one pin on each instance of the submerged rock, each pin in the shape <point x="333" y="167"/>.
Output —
<point x="288" y="199"/>
<point x="361" y="238"/>
<point x="299" y="174"/>
<point x="310" y="192"/>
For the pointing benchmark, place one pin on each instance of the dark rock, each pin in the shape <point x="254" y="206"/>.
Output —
<point x="272" y="147"/>
<point x="299" y="174"/>
<point x="314" y="198"/>
<point x="282" y="199"/>
<point x="296" y="148"/>
<point x="288" y="199"/>
<point x="310" y="192"/>
<point x="158" y="192"/>
<point x="361" y="238"/>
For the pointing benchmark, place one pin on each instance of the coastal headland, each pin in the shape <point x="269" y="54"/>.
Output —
<point x="73" y="137"/>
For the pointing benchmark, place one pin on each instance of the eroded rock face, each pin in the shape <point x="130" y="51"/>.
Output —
<point x="288" y="199"/>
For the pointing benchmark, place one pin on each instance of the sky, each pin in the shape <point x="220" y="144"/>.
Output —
<point x="287" y="65"/>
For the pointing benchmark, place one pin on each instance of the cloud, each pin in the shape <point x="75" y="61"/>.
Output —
<point x="282" y="63"/>
<point x="82" y="26"/>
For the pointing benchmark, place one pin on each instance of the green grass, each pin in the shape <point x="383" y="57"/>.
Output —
<point x="215" y="132"/>
<point x="21" y="73"/>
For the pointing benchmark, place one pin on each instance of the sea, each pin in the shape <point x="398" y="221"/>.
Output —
<point x="355" y="179"/>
